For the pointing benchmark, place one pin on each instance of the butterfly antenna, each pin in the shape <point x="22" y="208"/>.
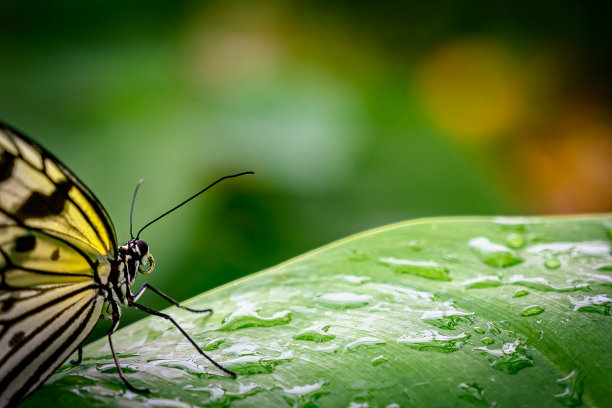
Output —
<point x="133" y="201"/>
<point x="191" y="198"/>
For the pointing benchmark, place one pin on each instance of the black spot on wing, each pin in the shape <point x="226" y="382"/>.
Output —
<point x="39" y="205"/>
<point x="7" y="304"/>
<point x="16" y="339"/>
<point x="7" y="164"/>
<point x="25" y="243"/>
<point x="55" y="255"/>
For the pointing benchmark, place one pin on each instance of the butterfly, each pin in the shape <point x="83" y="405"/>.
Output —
<point x="61" y="269"/>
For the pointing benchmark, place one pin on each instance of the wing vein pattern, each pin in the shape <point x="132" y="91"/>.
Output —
<point x="57" y="245"/>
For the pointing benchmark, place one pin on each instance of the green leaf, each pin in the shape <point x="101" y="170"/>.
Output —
<point x="435" y="312"/>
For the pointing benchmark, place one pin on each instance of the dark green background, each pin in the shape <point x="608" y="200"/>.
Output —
<point x="348" y="113"/>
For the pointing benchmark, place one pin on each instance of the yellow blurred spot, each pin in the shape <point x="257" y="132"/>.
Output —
<point x="472" y="89"/>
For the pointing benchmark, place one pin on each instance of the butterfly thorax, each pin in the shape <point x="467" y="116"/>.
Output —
<point x="130" y="258"/>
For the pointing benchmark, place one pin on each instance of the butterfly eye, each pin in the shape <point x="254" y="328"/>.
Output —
<point x="142" y="246"/>
<point x="151" y="266"/>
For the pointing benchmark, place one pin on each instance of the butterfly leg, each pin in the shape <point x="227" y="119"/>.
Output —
<point x="119" y="370"/>
<point x="80" y="356"/>
<point x="168" y="298"/>
<point x="167" y="317"/>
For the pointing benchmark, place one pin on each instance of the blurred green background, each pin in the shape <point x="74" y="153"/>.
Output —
<point x="353" y="114"/>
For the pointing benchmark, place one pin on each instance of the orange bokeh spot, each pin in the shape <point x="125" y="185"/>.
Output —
<point x="570" y="170"/>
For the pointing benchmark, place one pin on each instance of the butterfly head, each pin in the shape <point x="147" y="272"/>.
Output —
<point x="141" y="250"/>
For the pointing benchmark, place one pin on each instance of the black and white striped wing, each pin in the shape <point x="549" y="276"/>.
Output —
<point x="56" y="243"/>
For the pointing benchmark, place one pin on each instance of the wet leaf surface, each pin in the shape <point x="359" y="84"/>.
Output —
<point x="440" y="312"/>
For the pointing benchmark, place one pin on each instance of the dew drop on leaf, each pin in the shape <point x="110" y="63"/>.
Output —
<point x="434" y="341"/>
<point x="515" y="240"/>
<point x="343" y="300"/>
<point x="531" y="310"/>
<point x="493" y="254"/>
<point x="574" y="385"/>
<point x="552" y="263"/>
<point x="424" y="269"/>
<point x="363" y="343"/>
<point x="316" y="333"/>
<point x="379" y="360"/>
<point x="520" y="293"/>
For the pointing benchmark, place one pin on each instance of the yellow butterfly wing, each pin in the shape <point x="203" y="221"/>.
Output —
<point x="56" y="247"/>
<point x="39" y="191"/>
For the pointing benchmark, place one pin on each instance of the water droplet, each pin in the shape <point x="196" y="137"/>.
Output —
<point x="487" y="340"/>
<point x="241" y="349"/>
<point x="357" y="255"/>
<point x="400" y="293"/>
<point x="516" y="223"/>
<point x="379" y="360"/>
<point x="366" y="324"/>
<point x="479" y="330"/>
<point x="552" y="263"/>
<point x="594" y="248"/>
<point x="601" y="304"/>
<point x="317" y="333"/>
<point x="304" y="389"/>
<point x="304" y="395"/>
<point x="515" y="240"/>
<point x="494" y="328"/>
<point x="249" y="365"/>
<point x="473" y="393"/>
<point x="447" y="319"/>
<point x="380" y="307"/>
<point x="605" y="279"/>
<point x="432" y="340"/>
<point x="355" y="280"/>
<point x="244" y="390"/>
<point x="573" y="383"/>
<point x="416" y="245"/>
<point x="343" y="300"/>
<point x="332" y="348"/>
<point x="112" y="368"/>
<point x="363" y="344"/>
<point x="424" y="269"/>
<point x="189" y="366"/>
<point x="493" y="254"/>
<point x="217" y="395"/>
<point x="212" y="393"/>
<point x="450" y="257"/>
<point x="480" y="282"/>
<point x="247" y="316"/>
<point x="520" y="293"/>
<point x="151" y="402"/>
<point x="213" y="344"/>
<point x="604" y="268"/>
<point x="543" y="285"/>
<point x="511" y="358"/>
<point x="531" y="310"/>
<point x="365" y="391"/>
